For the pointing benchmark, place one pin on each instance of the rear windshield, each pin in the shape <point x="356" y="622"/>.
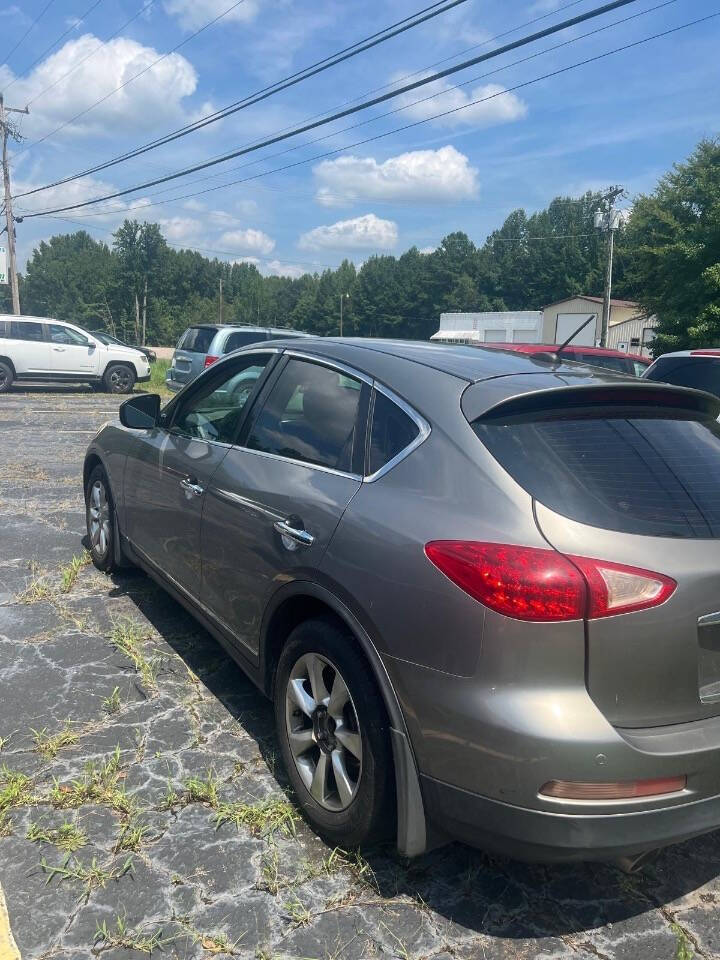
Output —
<point x="652" y="475"/>
<point x="197" y="339"/>
<point x="703" y="373"/>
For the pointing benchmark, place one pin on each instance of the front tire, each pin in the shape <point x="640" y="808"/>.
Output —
<point x="334" y="737"/>
<point x="6" y="376"/>
<point x="119" y="378"/>
<point x="100" y="520"/>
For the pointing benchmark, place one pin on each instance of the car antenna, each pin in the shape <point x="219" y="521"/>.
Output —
<point x="556" y="353"/>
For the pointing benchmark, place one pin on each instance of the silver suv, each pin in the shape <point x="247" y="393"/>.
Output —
<point x="482" y="588"/>
<point x="201" y="345"/>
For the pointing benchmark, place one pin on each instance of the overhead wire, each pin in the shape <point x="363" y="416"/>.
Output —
<point x="29" y="30"/>
<point x="498" y="51"/>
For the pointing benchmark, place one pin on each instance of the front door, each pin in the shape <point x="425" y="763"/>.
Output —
<point x="276" y="499"/>
<point x="170" y="469"/>
<point x="71" y="352"/>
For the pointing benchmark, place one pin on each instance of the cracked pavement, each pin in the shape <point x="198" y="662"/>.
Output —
<point x="142" y="809"/>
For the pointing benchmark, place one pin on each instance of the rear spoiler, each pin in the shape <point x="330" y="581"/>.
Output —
<point x="639" y="398"/>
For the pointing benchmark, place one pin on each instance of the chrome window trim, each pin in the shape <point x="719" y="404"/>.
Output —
<point x="300" y="463"/>
<point x="333" y="364"/>
<point x="420" y="422"/>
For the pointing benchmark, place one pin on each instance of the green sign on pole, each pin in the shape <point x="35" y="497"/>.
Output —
<point x="3" y="266"/>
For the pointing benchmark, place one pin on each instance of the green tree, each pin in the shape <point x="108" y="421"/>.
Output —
<point x="674" y="236"/>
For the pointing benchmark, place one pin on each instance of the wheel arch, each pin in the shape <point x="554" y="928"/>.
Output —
<point x="304" y="600"/>
<point x="9" y="362"/>
<point x="120" y="363"/>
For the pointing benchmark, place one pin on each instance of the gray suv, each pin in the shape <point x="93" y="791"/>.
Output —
<point x="201" y="345"/>
<point x="481" y="588"/>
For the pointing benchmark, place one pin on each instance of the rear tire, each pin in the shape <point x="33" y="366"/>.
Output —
<point x="119" y="378"/>
<point x="321" y="668"/>
<point x="100" y="520"/>
<point x="6" y="376"/>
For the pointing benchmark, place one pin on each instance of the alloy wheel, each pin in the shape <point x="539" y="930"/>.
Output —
<point x="323" y="731"/>
<point x="120" y="380"/>
<point x="99" y="519"/>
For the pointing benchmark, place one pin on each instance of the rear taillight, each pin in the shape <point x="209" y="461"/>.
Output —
<point x="529" y="583"/>
<point x="209" y="361"/>
<point x="617" y="790"/>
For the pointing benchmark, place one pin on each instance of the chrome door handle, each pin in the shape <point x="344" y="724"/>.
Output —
<point x="301" y="537"/>
<point x="191" y="487"/>
<point x="59" y="349"/>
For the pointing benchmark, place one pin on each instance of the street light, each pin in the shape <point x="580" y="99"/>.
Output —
<point x="343" y="297"/>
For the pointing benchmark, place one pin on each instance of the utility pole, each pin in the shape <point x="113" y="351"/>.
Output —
<point x="343" y="297"/>
<point x="5" y="132"/>
<point x="609" y="222"/>
<point x="220" y="304"/>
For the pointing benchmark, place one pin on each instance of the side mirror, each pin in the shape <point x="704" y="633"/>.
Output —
<point x="141" y="412"/>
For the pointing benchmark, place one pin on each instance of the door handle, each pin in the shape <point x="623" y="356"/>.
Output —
<point x="292" y="536"/>
<point x="59" y="349"/>
<point x="192" y="487"/>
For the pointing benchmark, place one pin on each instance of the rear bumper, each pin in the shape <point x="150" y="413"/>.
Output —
<point x="173" y="385"/>
<point x="544" y="836"/>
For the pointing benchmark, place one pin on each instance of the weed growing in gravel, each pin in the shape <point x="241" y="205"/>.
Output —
<point x="98" y="784"/>
<point x="5" y="825"/>
<point x="91" y="875"/>
<point x="69" y="572"/>
<point x="66" y="837"/>
<point x="202" y="791"/>
<point x="37" y="590"/>
<point x="132" y="837"/>
<point x="683" y="947"/>
<point x="3" y="743"/>
<point x="127" y="637"/>
<point x="121" y="936"/>
<point x="262" y="818"/>
<point x="213" y="943"/>
<point x="15" y="789"/>
<point x="48" y="746"/>
<point x="112" y="703"/>
<point x="297" y="911"/>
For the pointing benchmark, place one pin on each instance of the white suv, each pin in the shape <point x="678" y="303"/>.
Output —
<point x="40" y="348"/>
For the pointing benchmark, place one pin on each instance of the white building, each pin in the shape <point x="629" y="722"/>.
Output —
<point x="507" y="326"/>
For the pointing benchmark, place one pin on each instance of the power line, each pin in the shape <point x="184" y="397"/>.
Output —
<point x="427" y="13"/>
<point x="407" y="126"/>
<point x="523" y="41"/>
<point x="73" y="26"/>
<point x="29" y="30"/>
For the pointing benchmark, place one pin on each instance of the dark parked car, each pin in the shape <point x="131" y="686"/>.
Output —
<point x="482" y="588"/>
<point x="107" y="338"/>
<point x="202" y="345"/>
<point x="689" y="368"/>
<point x="630" y="363"/>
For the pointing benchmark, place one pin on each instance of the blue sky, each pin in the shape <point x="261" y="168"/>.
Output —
<point x="624" y="119"/>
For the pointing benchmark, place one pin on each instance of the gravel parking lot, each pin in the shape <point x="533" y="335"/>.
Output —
<point x="142" y="809"/>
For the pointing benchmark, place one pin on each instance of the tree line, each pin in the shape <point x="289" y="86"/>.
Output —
<point x="667" y="258"/>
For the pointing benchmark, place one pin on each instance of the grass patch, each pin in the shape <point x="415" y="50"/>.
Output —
<point x="262" y="818"/>
<point x="15" y="789"/>
<point x="92" y="876"/>
<point x="194" y="790"/>
<point x="66" y="837"/>
<point x="48" y="746"/>
<point x="684" y="949"/>
<point x="38" y="589"/>
<point x="112" y="703"/>
<point x="132" y="837"/>
<point x="69" y="572"/>
<point x="157" y="379"/>
<point x="98" y="784"/>
<point x="122" y="936"/>
<point x="128" y="637"/>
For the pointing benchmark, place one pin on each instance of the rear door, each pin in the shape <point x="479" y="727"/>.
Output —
<point x="276" y="499"/>
<point x="28" y="347"/>
<point x="636" y="486"/>
<point x="189" y="357"/>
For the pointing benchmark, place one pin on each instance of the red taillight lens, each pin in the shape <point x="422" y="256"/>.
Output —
<point x="521" y="582"/>
<point x="529" y="583"/>
<point x="618" y="790"/>
<point x="209" y="361"/>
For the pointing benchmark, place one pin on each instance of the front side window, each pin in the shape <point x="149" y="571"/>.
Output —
<point x="62" y="334"/>
<point x="26" y="330"/>
<point x="311" y="415"/>
<point x="392" y="431"/>
<point x="214" y="412"/>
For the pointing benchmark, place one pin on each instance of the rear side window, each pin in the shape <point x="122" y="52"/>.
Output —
<point x="619" y="364"/>
<point x="703" y="373"/>
<point x="392" y="431"/>
<point x="197" y="339"/>
<point x="4" y="329"/>
<point x="311" y="415"/>
<point x="242" y="338"/>
<point x="654" y="475"/>
<point x="26" y="330"/>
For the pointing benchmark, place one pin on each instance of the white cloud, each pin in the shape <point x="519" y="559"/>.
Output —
<point x="77" y="191"/>
<point x="181" y="229"/>
<point x="275" y="268"/>
<point x="427" y="250"/>
<point x="154" y="98"/>
<point x="248" y="241"/>
<point x="497" y="106"/>
<point x="361" y="233"/>
<point x="436" y="175"/>
<point x="192" y="14"/>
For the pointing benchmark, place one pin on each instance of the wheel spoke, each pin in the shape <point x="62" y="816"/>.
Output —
<point x="344" y="783"/>
<point x="103" y="540"/>
<point x="339" y="696"/>
<point x="96" y="495"/>
<point x="300" y="740"/>
<point x="315" y="667"/>
<point x="318" y="787"/>
<point x="301" y="697"/>
<point x="350" y="740"/>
